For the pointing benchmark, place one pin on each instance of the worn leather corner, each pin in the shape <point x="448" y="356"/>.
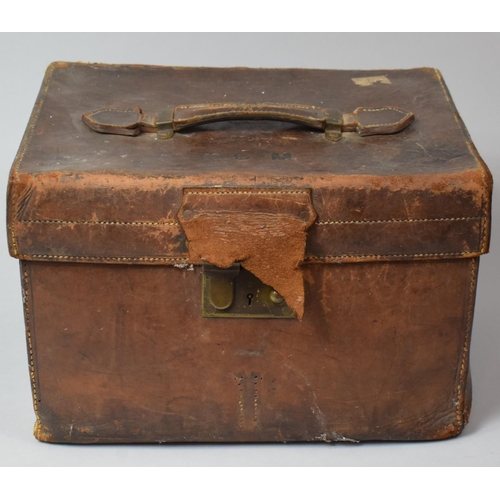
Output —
<point x="263" y="229"/>
<point x="42" y="432"/>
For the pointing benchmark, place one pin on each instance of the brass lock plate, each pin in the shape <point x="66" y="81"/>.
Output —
<point x="236" y="293"/>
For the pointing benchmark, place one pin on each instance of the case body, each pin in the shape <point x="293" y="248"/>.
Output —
<point x="119" y="350"/>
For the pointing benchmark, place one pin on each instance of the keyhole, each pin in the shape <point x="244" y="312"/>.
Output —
<point x="250" y="297"/>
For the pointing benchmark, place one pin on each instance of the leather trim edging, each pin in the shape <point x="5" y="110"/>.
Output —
<point x="464" y="365"/>
<point x="26" y="289"/>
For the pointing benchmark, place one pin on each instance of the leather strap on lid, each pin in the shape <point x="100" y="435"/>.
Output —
<point x="365" y="121"/>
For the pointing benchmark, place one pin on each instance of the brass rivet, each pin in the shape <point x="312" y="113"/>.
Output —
<point x="276" y="297"/>
<point x="187" y="214"/>
<point x="304" y="216"/>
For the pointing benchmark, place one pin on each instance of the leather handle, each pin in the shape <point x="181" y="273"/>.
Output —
<point x="365" y="121"/>
<point x="197" y="114"/>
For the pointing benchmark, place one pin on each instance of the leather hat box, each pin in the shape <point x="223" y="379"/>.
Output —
<point x="245" y="255"/>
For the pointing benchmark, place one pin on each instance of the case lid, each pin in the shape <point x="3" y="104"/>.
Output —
<point x="79" y="195"/>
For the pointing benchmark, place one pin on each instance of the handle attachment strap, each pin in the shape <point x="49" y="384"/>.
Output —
<point x="365" y="121"/>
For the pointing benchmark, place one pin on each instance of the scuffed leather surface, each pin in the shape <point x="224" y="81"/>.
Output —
<point x="122" y="354"/>
<point x="80" y="196"/>
<point x="264" y="230"/>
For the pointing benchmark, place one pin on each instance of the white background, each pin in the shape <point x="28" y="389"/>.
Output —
<point x="471" y="68"/>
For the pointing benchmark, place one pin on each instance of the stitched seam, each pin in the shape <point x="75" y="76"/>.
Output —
<point x="99" y="223"/>
<point x="464" y="362"/>
<point x="484" y="225"/>
<point x="241" y="409"/>
<point x="231" y="105"/>
<point x="82" y="257"/>
<point x="217" y="193"/>
<point x="357" y="256"/>
<point x="256" y="402"/>
<point x="13" y="239"/>
<point x="185" y="259"/>
<point x="181" y="121"/>
<point x="384" y="109"/>
<point x="26" y="294"/>
<point x="384" y="221"/>
<point x="320" y="223"/>
<point x="95" y="112"/>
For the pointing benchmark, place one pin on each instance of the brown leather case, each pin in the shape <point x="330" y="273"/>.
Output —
<point x="242" y="255"/>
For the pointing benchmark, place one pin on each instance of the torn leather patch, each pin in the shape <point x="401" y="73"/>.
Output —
<point x="263" y="229"/>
